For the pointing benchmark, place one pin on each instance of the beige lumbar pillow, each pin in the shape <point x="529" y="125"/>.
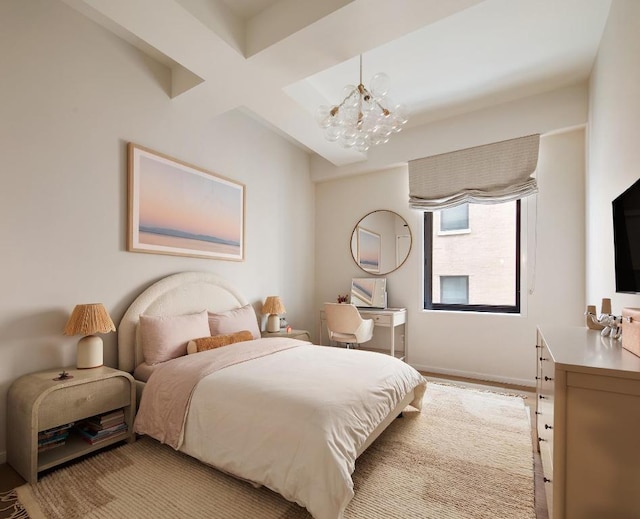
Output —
<point x="209" y="343"/>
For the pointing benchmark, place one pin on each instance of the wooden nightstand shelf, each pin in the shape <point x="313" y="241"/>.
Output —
<point x="303" y="335"/>
<point x="36" y="402"/>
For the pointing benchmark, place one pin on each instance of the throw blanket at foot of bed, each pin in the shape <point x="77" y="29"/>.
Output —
<point x="293" y="420"/>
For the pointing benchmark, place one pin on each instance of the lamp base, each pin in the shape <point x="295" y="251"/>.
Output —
<point x="273" y="323"/>
<point x="89" y="352"/>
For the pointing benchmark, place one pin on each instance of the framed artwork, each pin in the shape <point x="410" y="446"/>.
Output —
<point x="179" y="209"/>
<point x="368" y="250"/>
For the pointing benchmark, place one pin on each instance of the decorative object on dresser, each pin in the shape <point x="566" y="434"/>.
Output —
<point x="592" y="319"/>
<point x="42" y="412"/>
<point x="631" y="330"/>
<point x="87" y="320"/>
<point x="273" y="306"/>
<point x="588" y="393"/>
<point x="606" y="322"/>
<point x="180" y="209"/>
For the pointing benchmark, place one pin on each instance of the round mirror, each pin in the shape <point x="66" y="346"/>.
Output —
<point x="381" y="242"/>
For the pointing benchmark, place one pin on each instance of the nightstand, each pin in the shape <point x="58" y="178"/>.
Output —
<point x="303" y="335"/>
<point x="36" y="403"/>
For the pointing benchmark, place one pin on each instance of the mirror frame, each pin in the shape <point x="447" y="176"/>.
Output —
<point x="355" y="229"/>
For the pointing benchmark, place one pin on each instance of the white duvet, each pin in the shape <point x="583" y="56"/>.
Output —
<point x="294" y="420"/>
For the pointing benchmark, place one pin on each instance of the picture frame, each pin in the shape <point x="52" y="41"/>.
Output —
<point x="180" y="209"/>
<point x="369" y="250"/>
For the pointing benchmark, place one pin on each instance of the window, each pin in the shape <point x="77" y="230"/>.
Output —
<point x="477" y="270"/>
<point x="454" y="290"/>
<point x="455" y="218"/>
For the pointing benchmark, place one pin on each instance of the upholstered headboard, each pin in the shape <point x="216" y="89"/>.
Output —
<point x="178" y="294"/>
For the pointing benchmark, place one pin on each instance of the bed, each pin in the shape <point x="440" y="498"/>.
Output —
<point x="278" y="412"/>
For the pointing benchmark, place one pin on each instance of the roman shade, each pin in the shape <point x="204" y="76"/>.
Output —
<point x="491" y="173"/>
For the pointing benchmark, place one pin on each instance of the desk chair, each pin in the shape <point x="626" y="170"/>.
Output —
<point x="346" y="325"/>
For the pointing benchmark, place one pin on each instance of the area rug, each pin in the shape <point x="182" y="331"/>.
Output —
<point x="467" y="455"/>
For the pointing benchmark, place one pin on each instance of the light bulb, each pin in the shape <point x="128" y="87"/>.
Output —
<point x="332" y="134"/>
<point x="323" y="118"/>
<point x="380" y="84"/>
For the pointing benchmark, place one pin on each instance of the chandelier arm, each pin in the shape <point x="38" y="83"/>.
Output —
<point x="384" y="110"/>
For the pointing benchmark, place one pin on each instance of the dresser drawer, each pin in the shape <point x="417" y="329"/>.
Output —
<point x="382" y="320"/>
<point x="546" y="455"/>
<point x="75" y="402"/>
<point x="545" y="420"/>
<point x="546" y="397"/>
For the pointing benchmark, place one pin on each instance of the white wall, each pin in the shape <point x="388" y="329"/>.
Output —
<point x="71" y="96"/>
<point x="614" y="144"/>
<point x="494" y="347"/>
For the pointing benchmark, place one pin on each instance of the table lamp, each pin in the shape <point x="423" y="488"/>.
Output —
<point x="273" y="306"/>
<point x="87" y="320"/>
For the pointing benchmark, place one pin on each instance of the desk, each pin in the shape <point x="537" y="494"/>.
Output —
<point x="389" y="318"/>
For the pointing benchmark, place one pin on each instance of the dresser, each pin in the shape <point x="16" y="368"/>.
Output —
<point x="588" y="424"/>
<point x="386" y="319"/>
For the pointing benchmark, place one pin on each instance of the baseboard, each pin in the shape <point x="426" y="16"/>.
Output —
<point x="3" y="457"/>
<point x="527" y="383"/>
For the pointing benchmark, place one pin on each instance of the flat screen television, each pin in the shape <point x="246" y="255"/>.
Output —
<point x="626" y="239"/>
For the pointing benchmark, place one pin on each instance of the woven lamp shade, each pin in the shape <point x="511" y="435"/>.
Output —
<point x="87" y="320"/>
<point x="273" y="306"/>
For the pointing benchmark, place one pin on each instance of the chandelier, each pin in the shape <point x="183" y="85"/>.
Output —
<point x="364" y="117"/>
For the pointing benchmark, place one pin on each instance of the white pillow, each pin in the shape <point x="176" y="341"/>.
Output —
<point x="233" y="321"/>
<point x="165" y="337"/>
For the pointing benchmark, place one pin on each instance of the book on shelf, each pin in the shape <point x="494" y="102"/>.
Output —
<point x="107" y="419"/>
<point x="52" y="445"/>
<point x="97" y="436"/>
<point x="48" y="433"/>
<point x="53" y="437"/>
<point x="102" y="427"/>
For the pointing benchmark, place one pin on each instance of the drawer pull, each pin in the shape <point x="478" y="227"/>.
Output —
<point x="543" y="358"/>
<point x="538" y="346"/>
<point x="547" y="426"/>
<point x="541" y="439"/>
<point x="537" y="378"/>
<point x="538" y="412"/>
<point x="546" y="480"/>
<point x="547" y="379"/>
<point x="542" y="397"/>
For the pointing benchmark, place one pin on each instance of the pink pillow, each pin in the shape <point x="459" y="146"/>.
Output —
<point x="165" y="337"/>
<point x="235" y="320"/>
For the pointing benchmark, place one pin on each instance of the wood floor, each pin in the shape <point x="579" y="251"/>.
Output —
<point x="10" y="479"/>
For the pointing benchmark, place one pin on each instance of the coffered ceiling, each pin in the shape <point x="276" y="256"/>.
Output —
<point x="280" y="59"/>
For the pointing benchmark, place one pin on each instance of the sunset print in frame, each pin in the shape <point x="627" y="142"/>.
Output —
<point x="179" y="209"/>
<point x="368" y="250"/>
